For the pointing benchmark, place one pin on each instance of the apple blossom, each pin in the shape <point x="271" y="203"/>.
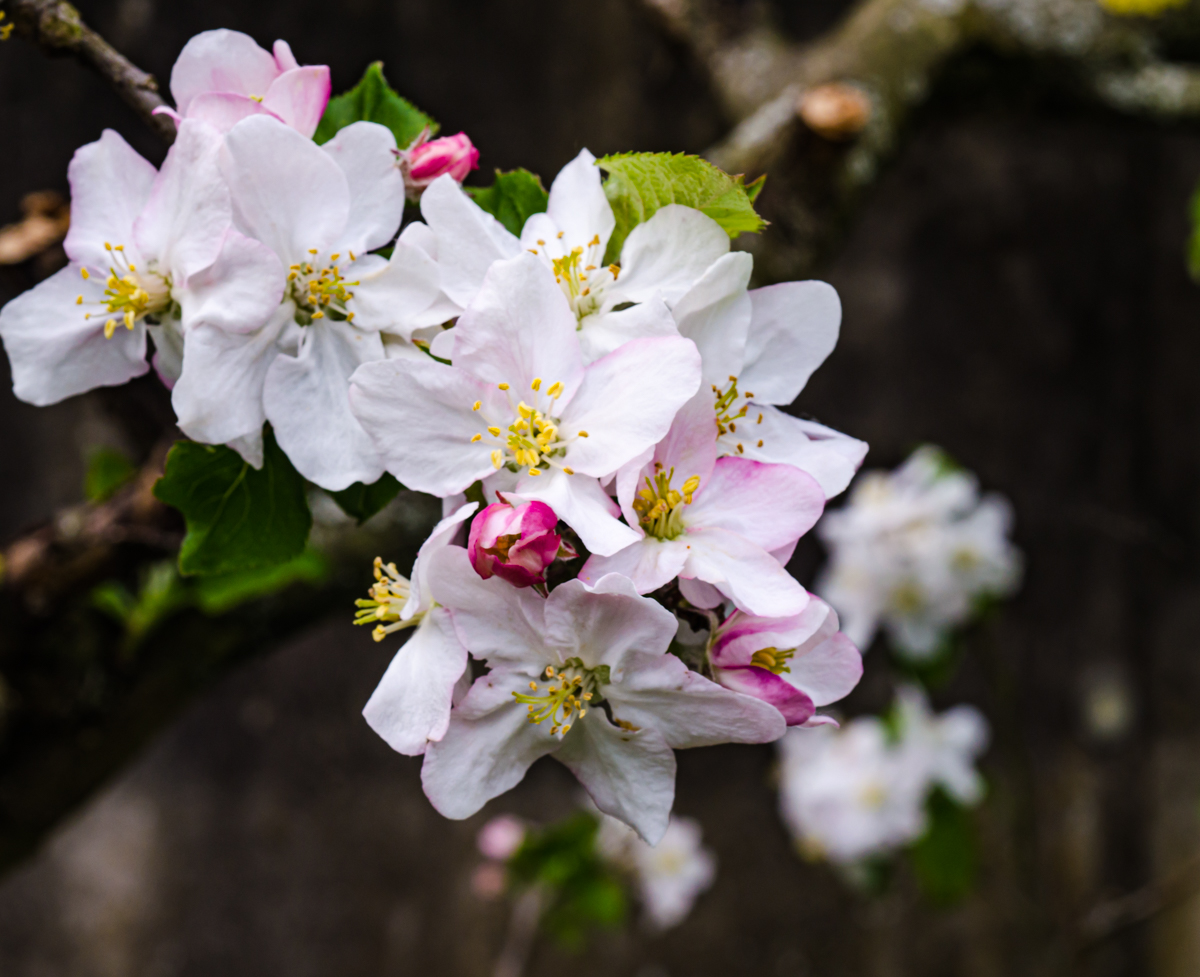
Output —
<point x="411" y="705"/>
<point x="913" y="551"/>
<point x="553" y="661"/>
<point x="515" y="543"/>
<point x="945" y="747"/>
<point x="717" y="520"/>
<point x="223" y="76"/>
<point x="147" y="249"/>
<point x="519" y="410"/>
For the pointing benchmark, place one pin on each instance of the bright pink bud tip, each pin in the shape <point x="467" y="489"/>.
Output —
<point x="514" y="543"/>
<point x="451" y="154"/>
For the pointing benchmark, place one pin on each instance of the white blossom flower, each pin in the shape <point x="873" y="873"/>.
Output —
<point x="669" y="876"/>
<point x="913" y="551"/>
<point x="553" y="662"/>
<point x="411" y="705"/>
<point x="519" y="410"/>
<point x="944" y="747"/>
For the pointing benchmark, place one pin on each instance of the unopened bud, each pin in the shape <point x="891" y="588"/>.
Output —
<point x="424" y="162"/>
<point x="515" y="543"/>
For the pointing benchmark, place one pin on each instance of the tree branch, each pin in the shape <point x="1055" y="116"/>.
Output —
<point x="57" y="28"/>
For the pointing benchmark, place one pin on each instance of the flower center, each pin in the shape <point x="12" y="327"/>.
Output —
<point x="773" y="659"/>
<point x="660" y="507"/>
<point x="732" y="407"/>
<point x="389" y="594"/>
<point x="580" y="276"/>
<point x="128" y="295"/>
<point x="318" y="292"/>
<point x="561" y="703"/>
<point x="532" y="438"/>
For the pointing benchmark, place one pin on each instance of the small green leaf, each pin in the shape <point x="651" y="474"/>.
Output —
<point x="512" y="199"/>
<point x="374" y="100"/>
<point x="107" y="471"/>
<point x="218" y="594"/>
<point x="238" y="518"/>
<point x="944" y="857"/>
<point x="361" y="501"/>
<point x="639" y="184"/>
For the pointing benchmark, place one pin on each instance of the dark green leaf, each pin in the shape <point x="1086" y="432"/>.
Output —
<point x="639" y="184"/>
<point x="218" y="594"/>
<point x="944" y="857"/>
<point x="512" y="199"/>
<point x="107" y="471"/>
<point x="361" y="501"/>
<point x="237" y="518"/>
<point x="374" y="100"/>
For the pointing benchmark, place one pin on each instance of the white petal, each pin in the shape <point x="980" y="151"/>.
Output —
<point x="223" y="110"/>
<point x="55" y="353"/>
<point x="365" y="151"/>
<point x="519" y="327"/>
<point x="627" y="401"/>
<point x="168" y="351"/>
<point x="287" y="192"/>
<point x="443" y="535"/>
<point x="605" y="621"/>
<point x="828" y="672"/>
<point x="794" y="327"/>
<point x="239" y="292"/>
<point x="307" y="402"/>
<point x="419" y="416"/>
<point x="469" y="238"/>
<point x="690" y="447"/>
<point x="628" y="775"/>
<point x="715" y="315"/>
<point x="743" y="572"/>
<point x="578" y="205"/>
<point x="395" y="297"/>
<point x="828" y="456"/>
<point x="221" y="61"/>
<point x="299" y="96"/>
<point x="600" y="334"/>
<point x="700" y="594"/>
<point x="250" y="447"/>
<point x="110" y="184"/>
<point x="650" y="563"/>
<point x="581" y="504"/>
<point x="669" y="253"/>
<point x="541" y="235"/>
<point x="411" y="705"/>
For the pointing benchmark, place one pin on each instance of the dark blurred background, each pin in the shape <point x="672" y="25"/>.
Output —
<point x="1014" y="291"/>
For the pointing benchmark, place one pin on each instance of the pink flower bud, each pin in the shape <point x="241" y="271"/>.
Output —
<point x="500" y="838"/>
<point x="450" y="154"/>
<point x="514" y="543"/>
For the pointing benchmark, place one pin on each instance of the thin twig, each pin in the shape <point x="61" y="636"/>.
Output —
<point x="57" y="28"/>
<point x="1142" y="904"/>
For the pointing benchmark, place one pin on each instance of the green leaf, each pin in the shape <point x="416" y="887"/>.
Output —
<point x="218" y="594"/>
<point x="639" y="184"/>
<point x="107" y="471"/>
<point x="238" y="518"/>
<point x="361" y="501"/>
<point x="512" y="199"/>
<point x="160" y="594"/>
<point x="374" y="100"/>
<point x="944" y="857"/>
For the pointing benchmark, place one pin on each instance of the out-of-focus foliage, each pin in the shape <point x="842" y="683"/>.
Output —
<point x="374" y="100"/>
<point x="944" y="857"/>
<point x="107" y="471"/>
<point x="361" y="501"/>
<point x="1139" y="8"/>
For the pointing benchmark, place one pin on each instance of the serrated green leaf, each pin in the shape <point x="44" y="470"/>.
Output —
<point x="944" y="857"/>
<point x="107" y="471"/>
<point x="512" y="199"/>
<point x="361" y="501"/>
<point x="639" y="184"/>
<point x="374" y="100"/>
<point x="238" y="518"/>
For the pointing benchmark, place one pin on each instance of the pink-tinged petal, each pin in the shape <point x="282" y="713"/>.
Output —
<point x="830" y="457"/>
<point x="411" y="705"/>
<point x="630" y="776"/>
<point x="55" y="353"/>
<point x="794" y="327"/>
<point x="365" y="153"/>
<point x="743" y="572"/>
<point x="577" y="203"/>
<point x="185" y="220"/>
<point x="239" y="292"/>
<point x="518" y="328"/>
<point x="627" y="402"/>
<point x="110" y="184"/>
<point x="396" y="297"/>
<point x="469" y="238"/>
<point x="453" y="155"/>
<point x="818" y="720"/>
<point x="660" y="692"/>
<point x="582" y="505"/>
<point x="287" y="192"/>
<point x="828" y="672"/>
<point x="419" y="416"/>
<point x="285" y="60"/>
<point x="223" y="110"/>
<point x="307" y="402"/>
<point x="221" y="61"/>
<point x="690" y="447"/>
<point x="488" y="746"/>
<point x="515" y="543"/>
<point x="602" y="333"/>
<point x="442" y="536"/>
<point x="715" y="315"/>
<point x="796" y="707"/>
<point x="299" y="96"/>
<point x="605" y="622"/>
<point x="495" y="620"/>
<point x="700" y="594"/>
<point x="669" y="253"/>
<point x="770" y="505"/>
<point x="219" y="394"/>
<point x="650" y="563"/>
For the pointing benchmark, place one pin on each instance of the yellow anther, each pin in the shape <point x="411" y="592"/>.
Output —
<point x="594" y="241"/>
<point x="502" y="386"/>
<point x="497" y="458"/>
<point x="477" y="437"/>
<point x="477" y="405"/>
<point x="537" y="383"/>
<point x="759" y="421"/>
<point x="79" y="301"/>
<point x="351" y="253"/>
<point x="524" y="410"/>
<point x="318" y="314"/>
<point x="555" y="389"/>
<point x="533" y="686"/>
<point x="559" y="235"/>
<point x="312" y="250"/>
<point x="568" y="471"/>
<point x="549" y="671"/>
<point x="534" y="471"/>
<point x="494" y="432"/>
<point x="109" y="328"/>
<point x="541" y="242"/>
<point x="760" y="444"/>
<point x="85" y="273"/>
<point x="583" y="434"/>
<point x="334" y="257"/>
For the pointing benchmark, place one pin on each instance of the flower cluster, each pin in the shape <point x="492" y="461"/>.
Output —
<point x="861" y="791"/>
<point x="916" y="551"/>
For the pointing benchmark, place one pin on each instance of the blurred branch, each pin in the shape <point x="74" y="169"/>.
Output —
<point x="57" y="28"/>
<point x="1140" y="905"/>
